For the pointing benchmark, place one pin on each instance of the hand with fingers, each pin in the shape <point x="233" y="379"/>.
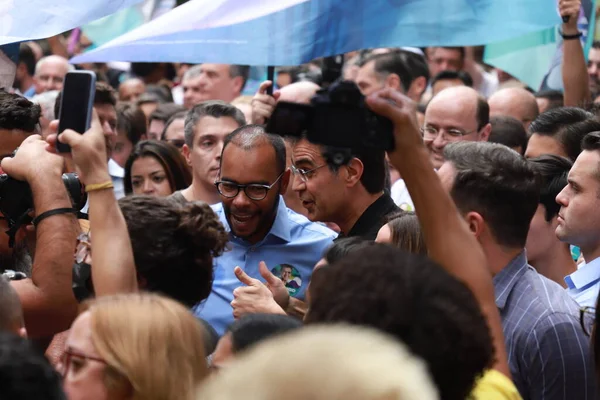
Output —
<point x="263" y="104"/>
<point x="88" y="151"/>
<point x="33" y="162"/>
<point x="569" y="10"/>
<point x="253" y="298"/>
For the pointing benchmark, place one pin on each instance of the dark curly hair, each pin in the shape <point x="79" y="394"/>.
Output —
<point x="416" y="301"/>
<point x="16" y="112"/>
<point x="174" y="246"/>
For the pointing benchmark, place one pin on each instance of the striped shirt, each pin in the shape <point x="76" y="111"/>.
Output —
<point x="548" y="353"/>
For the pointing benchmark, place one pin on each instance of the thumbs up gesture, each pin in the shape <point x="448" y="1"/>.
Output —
<point x="256" y="297"/>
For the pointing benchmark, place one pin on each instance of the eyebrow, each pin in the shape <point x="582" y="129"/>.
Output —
<point x="151" y="173"/>
<point x="303" y="161"/>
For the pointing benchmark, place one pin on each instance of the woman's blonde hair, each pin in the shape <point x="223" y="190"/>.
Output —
<point x="153" y="345"/>
<point x="324" y="363"/>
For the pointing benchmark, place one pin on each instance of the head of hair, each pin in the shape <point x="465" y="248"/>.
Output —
<point x="508" y="131"/>
<point x="417" y="302"/>
<point x="331" y="362"/>
<point x="250" y="136"/>
<point x="105" y="94"/>
<point x="165" y="111"/>
<point x="375" y="171"/>
<point x="144" y="69"/>
<point x="482" y="112"/>
<point x="47" y="100"/>
<point x="406" y="232"/>
<point x="161" y="92"/>
<point x="462" y="76"/>
<point x="178" y="115"/>
<point x="174" y="246"/>
<point x="11" y="312"/>
<point x="255" y="328"/>
<point x="553" y="172"/>
<point x="211" y="108"/>
<point x="123" y="325"/>
<point x="596" y="44"/>
<point x="53" y="57"/>
<point x="568" y="126"/>
<point x="242" y="71"/>
<point x="131" y="122"/>
<point x="393" y="62"/>
<point x="25" y="373"/>
<point x="16" y="112"/>
<point x="169" y="157"/>
<point x="27" y="57"/>
<point x="497" y="183"/>
<point x="342" y="247"/>
<point x="461" y="50"/>
<point x="555" y="98"/>
<point x="146" y="98"/>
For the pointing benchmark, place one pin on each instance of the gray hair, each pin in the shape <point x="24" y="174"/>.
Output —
<point x="211" y="108"/>
<point x="47" y="100"/>
<point x="44" y="60"/>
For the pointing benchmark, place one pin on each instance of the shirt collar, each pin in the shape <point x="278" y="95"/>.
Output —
<point x="373" y="217"/>
<point x="585" y="276"/>
<point x="508" y="278"/>
<point x="115" y="169"/>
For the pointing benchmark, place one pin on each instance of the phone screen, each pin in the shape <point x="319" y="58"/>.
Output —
<point x="76" y="104"/>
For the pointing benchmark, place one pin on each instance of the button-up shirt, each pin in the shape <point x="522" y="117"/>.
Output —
<point x="290" y="249"/>
<point x="548" y="352"/>
<point x="583" y="285"/>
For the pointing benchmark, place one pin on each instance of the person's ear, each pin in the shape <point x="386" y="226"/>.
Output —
<point x="393" y="81"/>
<point x="285" y="181"/>
<point x="417" y="87"/>
<point x="476" y="223"/>
<point x="484" y="134"/>
<point x="355" y="169"/>
<point x="187" y="154"/>
<point x="237" y="84"/>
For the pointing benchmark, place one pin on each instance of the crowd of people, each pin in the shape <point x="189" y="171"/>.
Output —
<point x="197" y="255"/>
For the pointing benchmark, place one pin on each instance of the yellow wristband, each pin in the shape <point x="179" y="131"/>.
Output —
<point x="99" y="186"/>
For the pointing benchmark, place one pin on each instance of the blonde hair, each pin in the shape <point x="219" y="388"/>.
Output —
<point x="151" y="343"/>
<point x="324" y="363"/>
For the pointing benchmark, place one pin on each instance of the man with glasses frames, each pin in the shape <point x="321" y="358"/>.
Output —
<point x="252" y="179"/>
<point x="455" y="114"/>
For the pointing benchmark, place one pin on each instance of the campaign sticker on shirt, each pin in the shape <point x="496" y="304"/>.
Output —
<point x="290" y="277"/>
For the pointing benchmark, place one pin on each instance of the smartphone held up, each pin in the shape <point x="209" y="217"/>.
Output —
<point x="76" y="104"/>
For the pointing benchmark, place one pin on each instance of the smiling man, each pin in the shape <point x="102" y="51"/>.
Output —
<point x="252" y="179"/>
<point x="213" y="82"/>
<point x="579" y="220"/>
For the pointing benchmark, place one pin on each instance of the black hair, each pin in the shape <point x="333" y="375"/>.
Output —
<point x="553" y="172"/>
<point x="25" y="374"/>
<point x="211" y="108"/>
<point x="131" y="121"/>
<point x="462" y="76"/>
<point x="176" y="169"/>
<point x="16" y="112"/>
<point x="508" y="131"/>
<point x="568" y="126"/>
<point x="174" y="245"/>
<point x="416" y="301"/>
<point x="497" y="183"/>
<point x="249" y="136"/>
<point x="482" y="112"/>
<point x="342" y="247"/>
<point x="255" y="328"/>
<point x="374" y="168"/>
<point x="174" y="117"/>
<point x="27" y="57"/>
<point x="395" y="62"/>
<point x="555" y="97"/>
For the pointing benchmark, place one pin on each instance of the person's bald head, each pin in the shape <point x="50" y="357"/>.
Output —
<point x="514" y="102"/>
<point x="50" y="73"/>
<point x="455" y="114"/>
<point x="299" y="92"/>
<point x="11" y="312"/>
<point x="131" y="89"/>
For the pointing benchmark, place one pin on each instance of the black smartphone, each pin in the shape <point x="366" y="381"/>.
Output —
<point x="76" y="104"/>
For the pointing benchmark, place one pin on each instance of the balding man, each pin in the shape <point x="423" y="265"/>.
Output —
<point x="455" y="114"/>
<point x="131" y="89"/>
<point x="50" y="73"/>
<point x="514" y="102"/>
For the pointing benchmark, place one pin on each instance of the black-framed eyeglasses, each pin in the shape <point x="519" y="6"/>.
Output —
<point x="303" y="173"/>
<point x="254" y="191"/>
<point x="587" y="316"/>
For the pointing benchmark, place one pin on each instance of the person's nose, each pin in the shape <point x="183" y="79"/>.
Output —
<point x="298" y="184"/>
<point x="148" y="187"/>
<point x="241" y="200"/>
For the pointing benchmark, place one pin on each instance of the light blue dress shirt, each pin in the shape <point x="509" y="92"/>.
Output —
<point x="583" y="285"/>
<point x="291" y="248"/>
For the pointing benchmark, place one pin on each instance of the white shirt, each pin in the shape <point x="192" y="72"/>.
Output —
<point x="584" y="284"/>
<point x="117" y="174"/>
<point x="401" y="196"/>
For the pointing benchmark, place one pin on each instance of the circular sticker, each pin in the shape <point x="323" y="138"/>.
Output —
<point x="290" y="277"/>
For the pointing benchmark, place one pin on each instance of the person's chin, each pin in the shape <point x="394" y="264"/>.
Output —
<point x="243" y="226"/>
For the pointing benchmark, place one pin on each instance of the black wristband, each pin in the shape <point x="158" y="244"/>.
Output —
<point x="50" y="213"/>
<point x="570" y="37"/>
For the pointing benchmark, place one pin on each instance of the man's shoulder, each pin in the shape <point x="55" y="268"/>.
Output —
<point x="302" y="226"/>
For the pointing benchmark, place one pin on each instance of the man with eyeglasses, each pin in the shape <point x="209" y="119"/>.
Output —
<point x="206" y="126"/>
<point x="455" y="114"/>
<point x="252" y="179"/>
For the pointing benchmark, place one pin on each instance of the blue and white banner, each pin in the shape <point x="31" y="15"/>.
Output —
<point x="22" y="20"/>
<point x="291" y="32"/>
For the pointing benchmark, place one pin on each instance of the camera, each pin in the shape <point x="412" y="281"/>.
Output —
<point x="338" y="118"/>
<point x="16" y="199"/>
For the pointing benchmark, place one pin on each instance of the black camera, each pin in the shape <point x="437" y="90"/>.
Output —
<point x="16" y="199"/>
<point x="337" y="117"/>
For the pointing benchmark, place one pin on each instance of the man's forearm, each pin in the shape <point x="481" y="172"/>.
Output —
<point x="574" y="73"/>
<point x="48" y="302"/>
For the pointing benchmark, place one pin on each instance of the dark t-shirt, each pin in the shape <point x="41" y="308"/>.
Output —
<point x="374" y="217"/>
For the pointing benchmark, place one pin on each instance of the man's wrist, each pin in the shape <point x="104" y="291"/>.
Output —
<point x="98" y="178"/>
<point x="568" y="29"/>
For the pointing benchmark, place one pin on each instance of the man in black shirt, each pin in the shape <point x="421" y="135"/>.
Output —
<point x="350" y="195"/>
